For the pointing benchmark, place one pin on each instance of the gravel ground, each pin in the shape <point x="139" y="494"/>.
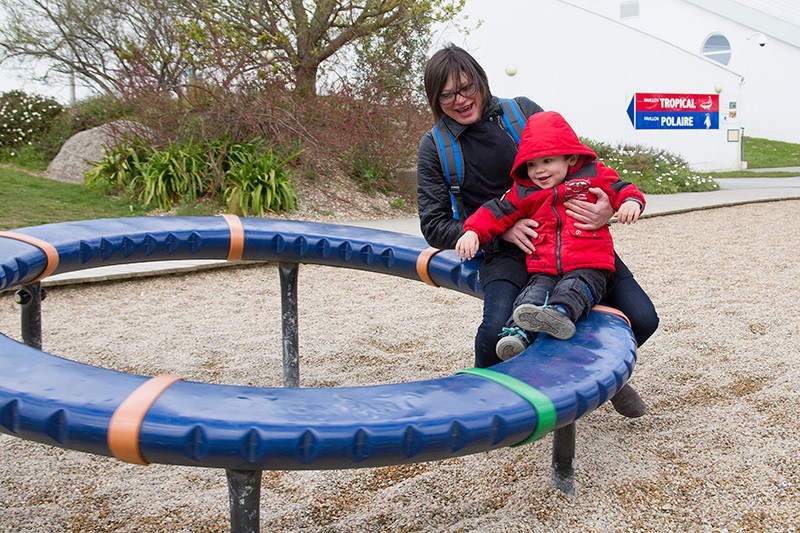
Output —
<point x="718" y="450"/>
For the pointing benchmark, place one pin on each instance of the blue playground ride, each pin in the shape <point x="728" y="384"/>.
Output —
<point x="245" y="430"/>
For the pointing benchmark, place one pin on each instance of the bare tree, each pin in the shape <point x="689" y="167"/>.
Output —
<point x="162" y="45"/>
<point x="110" y="46"/>
<point x="291" y="38"/>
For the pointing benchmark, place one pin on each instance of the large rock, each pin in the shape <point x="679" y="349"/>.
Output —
<point x="77" y="154"/>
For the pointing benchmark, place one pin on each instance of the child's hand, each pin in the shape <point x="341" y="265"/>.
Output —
<point x="629" y="212"/>
<point x="467" y="246"/>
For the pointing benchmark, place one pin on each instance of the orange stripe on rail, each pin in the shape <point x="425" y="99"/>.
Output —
<point x="237" y="237"/>
<point x="423" y="260"/>
<point x="126" y="422"/>
<point x="49" y="251"/>
<point x="611" y="311"/>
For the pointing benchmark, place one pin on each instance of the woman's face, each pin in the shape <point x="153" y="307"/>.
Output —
<point x="461" y="100"/>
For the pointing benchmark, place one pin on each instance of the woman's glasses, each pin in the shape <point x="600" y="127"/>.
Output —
<point x="466" y="91"/>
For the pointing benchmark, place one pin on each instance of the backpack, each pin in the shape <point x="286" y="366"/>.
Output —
<point x="452" y="158"/>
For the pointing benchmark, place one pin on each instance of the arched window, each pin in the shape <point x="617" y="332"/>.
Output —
<point x="718" y="48"/>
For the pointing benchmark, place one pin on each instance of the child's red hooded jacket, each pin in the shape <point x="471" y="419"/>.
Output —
<point x="560" y="247"/>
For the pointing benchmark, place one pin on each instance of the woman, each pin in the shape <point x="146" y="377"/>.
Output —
<point x="458" y="93"/>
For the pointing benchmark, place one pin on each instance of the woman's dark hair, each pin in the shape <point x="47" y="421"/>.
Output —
<point x="452" y="61"/>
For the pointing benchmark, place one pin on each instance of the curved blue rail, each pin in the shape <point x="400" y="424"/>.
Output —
<point x="63" y="403"/>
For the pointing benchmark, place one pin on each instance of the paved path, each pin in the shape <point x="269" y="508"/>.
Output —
<point x="732" y="191"/>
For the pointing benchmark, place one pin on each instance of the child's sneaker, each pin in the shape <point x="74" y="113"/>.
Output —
<point x="513" y="342"/>
<point x="546" y="319"/>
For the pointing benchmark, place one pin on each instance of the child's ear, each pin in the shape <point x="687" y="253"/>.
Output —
<point x="573" y="160"/>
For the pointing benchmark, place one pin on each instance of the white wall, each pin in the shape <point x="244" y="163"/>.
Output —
<point x="770" y="72"/>
<point x="588" y="67"/>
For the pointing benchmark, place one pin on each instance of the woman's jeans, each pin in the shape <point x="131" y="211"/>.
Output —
<point x="627" y="296"/>
<point x="498" y="304"/>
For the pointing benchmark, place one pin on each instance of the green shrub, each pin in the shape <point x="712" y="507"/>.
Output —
<point x="369" y="174"/>
<point x="95" y="111"/>
<point x="250" y="177"/>
<point x="26" y="156"/>
<point x="80" y="116"/>
<point x="257" y="181"/>
<point x="654" y="171"/>
<point x="24" y="119"/>
<point x="115" y="173"/>
<point x="149" y="175"/>
<point x="171" y="175"/>
<point x="369" y="137"/>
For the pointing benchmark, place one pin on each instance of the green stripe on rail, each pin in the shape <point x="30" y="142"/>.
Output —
<point x="545" y="410"/>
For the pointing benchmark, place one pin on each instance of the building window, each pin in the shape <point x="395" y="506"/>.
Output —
<point x="717" y="48"/>
<point x="629" y="9"/>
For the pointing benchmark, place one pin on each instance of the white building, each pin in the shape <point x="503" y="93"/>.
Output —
<point x="588" y="59"/>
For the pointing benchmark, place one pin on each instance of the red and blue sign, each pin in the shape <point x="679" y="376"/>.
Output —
<point x="663" y="111"/>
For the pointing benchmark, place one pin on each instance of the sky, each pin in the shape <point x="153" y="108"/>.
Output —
<point x="12" y="78"/>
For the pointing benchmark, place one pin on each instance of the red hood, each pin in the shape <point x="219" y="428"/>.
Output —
<point x="547" y="133"/>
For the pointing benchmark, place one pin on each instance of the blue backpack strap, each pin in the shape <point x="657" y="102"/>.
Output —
<point x="452" y="158"/>
<point x="513" y="117"/>
<point x="452" y="161"/>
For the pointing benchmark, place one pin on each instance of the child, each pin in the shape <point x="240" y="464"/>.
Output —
<point x="570" y="267"/>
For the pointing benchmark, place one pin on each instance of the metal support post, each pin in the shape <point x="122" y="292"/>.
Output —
<point x="562" y="475"/>
<point x="244" y="494"/>
<point x="30" y="299"/>
<point x="291" y="359"/>
<point x="244" y="486"/>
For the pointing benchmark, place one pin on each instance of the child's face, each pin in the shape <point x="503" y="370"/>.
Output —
<point x="549" y="171"/>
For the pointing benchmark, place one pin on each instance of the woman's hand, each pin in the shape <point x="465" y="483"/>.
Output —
<point x="522" y="233"/>
<point x="591" y="216"/>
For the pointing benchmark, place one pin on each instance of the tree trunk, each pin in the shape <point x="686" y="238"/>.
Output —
<point x="306" y="80"/>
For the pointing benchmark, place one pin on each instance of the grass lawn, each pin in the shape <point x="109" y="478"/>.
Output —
<point x="29" y="200"/>
<point x="763" y="153"/>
